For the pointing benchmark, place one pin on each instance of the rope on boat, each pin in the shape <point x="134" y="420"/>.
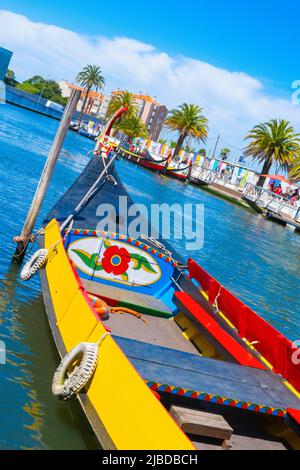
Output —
<point x="215" y="302"/>
<point x="89" y="193"/>
<point x="103" y="309"/>
<point x="161" y="247"/>
<point x="38" y="260"/>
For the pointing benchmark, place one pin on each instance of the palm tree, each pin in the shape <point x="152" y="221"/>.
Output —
<point x="273" y="142"/>
<point x="188" y="120"/>
<point x="202" y="152"/>
<point x="189" y="149"/>
<point x="225" y="152"/>
<point x="90" y="77"/>
<point x="294" y="173"/>
<point x="124" y="98"/>
<point x="132" y="126"/>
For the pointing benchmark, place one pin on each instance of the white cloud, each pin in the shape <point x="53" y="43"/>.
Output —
<point x="233" y="101"/>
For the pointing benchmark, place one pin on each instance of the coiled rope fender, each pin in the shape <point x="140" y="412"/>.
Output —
<point x="36" y="262"/>
<point x="76" y="369"/>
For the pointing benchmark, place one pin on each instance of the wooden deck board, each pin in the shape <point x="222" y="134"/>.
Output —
<point x="239" y="442"/>
<point x="194" y="372"/>
<point x="157" y="331"/>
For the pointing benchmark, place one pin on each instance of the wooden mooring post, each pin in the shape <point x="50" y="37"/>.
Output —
<point x="23" y="240"/>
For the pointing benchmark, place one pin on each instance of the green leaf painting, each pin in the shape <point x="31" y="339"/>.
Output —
<point x="106" y="243"/>
<point x="140" y="262"/>
<point x="124" y="276"/>
<point x="89" y="260"/>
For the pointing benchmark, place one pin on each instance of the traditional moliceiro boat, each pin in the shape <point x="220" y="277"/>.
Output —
<point x="159" y="354"/>
<point x="157" y="164"/>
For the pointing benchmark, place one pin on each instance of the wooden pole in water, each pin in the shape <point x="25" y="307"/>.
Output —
<point x="37" y="201"/>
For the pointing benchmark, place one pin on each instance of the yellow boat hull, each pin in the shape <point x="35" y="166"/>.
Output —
<point x="122" y="410"/>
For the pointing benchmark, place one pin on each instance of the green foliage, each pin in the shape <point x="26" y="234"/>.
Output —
<point x="25" y="86"/>
<point x="48" y="89"/>
<point x="274" y="142"/>
<point x="124" y="99"/>
<point x="10" y="78"/>
<point x="189" y="149"/>
<point x="91" y="77"/>
<point x="162" y="141"/>
<point x="225" y="152"/>
<point x="202" y="152"/>
<point x="294" y="173"/>
<point x="189" y="121"/>
<point x="132" y="126"/>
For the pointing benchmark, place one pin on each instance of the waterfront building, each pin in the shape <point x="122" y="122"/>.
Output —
<point x="95" y="101"/>
<point x="151" y="112"/>
<point x="5" y="56"/>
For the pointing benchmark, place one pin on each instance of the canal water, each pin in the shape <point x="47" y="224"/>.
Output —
<point x="258" y="260"/>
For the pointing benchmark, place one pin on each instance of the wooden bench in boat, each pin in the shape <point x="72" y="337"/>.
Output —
<point x="223" y="342"/>
<point x="201" y="423"/>
<point x="156" y="330"/>
<point x="141" y="302"/>
<point x="196" y="377"/>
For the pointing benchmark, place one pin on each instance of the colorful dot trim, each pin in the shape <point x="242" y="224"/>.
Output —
<point x="131" y="241"/>
<point x="256" y="407"/>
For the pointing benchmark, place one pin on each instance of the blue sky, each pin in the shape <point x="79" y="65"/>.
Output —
<point x="259" y="37"/>
<point x="236" y="59"/>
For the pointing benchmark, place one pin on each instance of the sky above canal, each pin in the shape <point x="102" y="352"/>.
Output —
<point x="236" y="59"/>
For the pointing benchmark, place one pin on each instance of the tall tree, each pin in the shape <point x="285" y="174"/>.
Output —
<point x="10" y="78"/>
<point x="294" y="173"/>
<point x="188" y="120"/>
<point x="225" y="152"/>
<point x="90" y="77"/>
<point x="120" y="100"/>
<point x="202" y="152"/>
<point x="133" y="127"/>
<point x="273" y="142"/>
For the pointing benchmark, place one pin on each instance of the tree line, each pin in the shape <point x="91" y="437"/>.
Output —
<point x="37" y="85"/>
<point x="270" y="143"/>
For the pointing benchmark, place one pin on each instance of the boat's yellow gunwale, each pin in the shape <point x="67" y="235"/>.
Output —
<point x="121" y="408"/>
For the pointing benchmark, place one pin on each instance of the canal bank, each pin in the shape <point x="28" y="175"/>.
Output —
<point x="38" y="104"/>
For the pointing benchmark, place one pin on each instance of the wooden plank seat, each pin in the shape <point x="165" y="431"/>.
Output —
<point x="177" y="371"/>
<point x="140" y="302"/>
<point x="223" y="342"/>
<point x="156" y="330"/>
<point x="201" y="423"/>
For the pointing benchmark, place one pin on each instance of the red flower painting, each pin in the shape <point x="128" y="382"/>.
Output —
<point x="115" y="260"/>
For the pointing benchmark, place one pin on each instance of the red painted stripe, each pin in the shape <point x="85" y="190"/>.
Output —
<point x="272" y="345"/>
<point x="240" y="354"/>
<point x="295" y="414"/>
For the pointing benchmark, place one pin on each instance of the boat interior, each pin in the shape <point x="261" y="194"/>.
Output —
<point x="225" y="375"/>
<point x="185" y="348"/>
